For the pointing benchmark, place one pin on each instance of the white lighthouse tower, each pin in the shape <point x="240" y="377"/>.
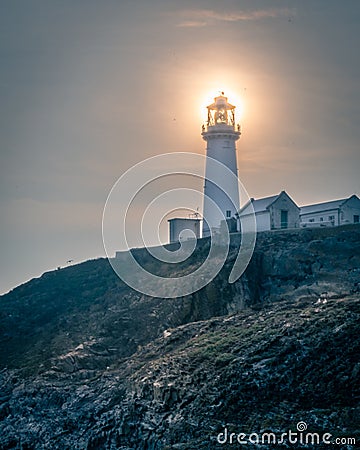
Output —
<point x="220" y="134"/>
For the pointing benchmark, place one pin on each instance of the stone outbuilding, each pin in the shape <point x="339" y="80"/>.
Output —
<point x="272" y="213"/>
<point x="334" y="213"/>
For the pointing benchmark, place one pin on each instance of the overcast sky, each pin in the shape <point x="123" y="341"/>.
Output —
<point x="89" y="88"/>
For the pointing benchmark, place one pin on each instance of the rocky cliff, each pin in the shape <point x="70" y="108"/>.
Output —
<point x="88" y="363"/>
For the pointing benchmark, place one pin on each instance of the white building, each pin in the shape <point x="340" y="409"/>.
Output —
<point x="221" y="191"/>
<point x="183" y="228"/>
<point x="334" y="213"/>
<point x="272" y="213"/>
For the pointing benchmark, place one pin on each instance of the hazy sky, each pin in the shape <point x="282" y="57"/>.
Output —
<point x="89" y="88"/>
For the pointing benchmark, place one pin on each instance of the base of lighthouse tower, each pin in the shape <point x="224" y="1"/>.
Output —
<point x="221" y="190"/>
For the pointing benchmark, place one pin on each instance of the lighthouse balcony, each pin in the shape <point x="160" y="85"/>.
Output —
<point x="223" y="130"/>
<point x="220" y="127"/>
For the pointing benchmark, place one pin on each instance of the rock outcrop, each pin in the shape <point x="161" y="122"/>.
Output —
<point x="88" y="363"/>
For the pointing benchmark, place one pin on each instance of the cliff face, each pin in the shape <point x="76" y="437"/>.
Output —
<point x="89" y="363"/>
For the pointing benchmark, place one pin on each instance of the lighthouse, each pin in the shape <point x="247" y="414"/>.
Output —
<point x="221" y="192"/>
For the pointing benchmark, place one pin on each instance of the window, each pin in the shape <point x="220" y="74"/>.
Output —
<point x="332" y="218"/>
<point x="356" y="218"/>
<point x="311" y="220"/>
<point x="228" y="213"/>
<point x="321" y="219"/>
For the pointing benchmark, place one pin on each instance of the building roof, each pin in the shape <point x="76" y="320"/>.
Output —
<point x="259" y="205"/>
<point x="193" y="219"/>
<point x="320" y="207"/>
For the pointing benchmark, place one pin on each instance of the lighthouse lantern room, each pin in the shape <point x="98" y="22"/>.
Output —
<point x="221" y="112"/>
